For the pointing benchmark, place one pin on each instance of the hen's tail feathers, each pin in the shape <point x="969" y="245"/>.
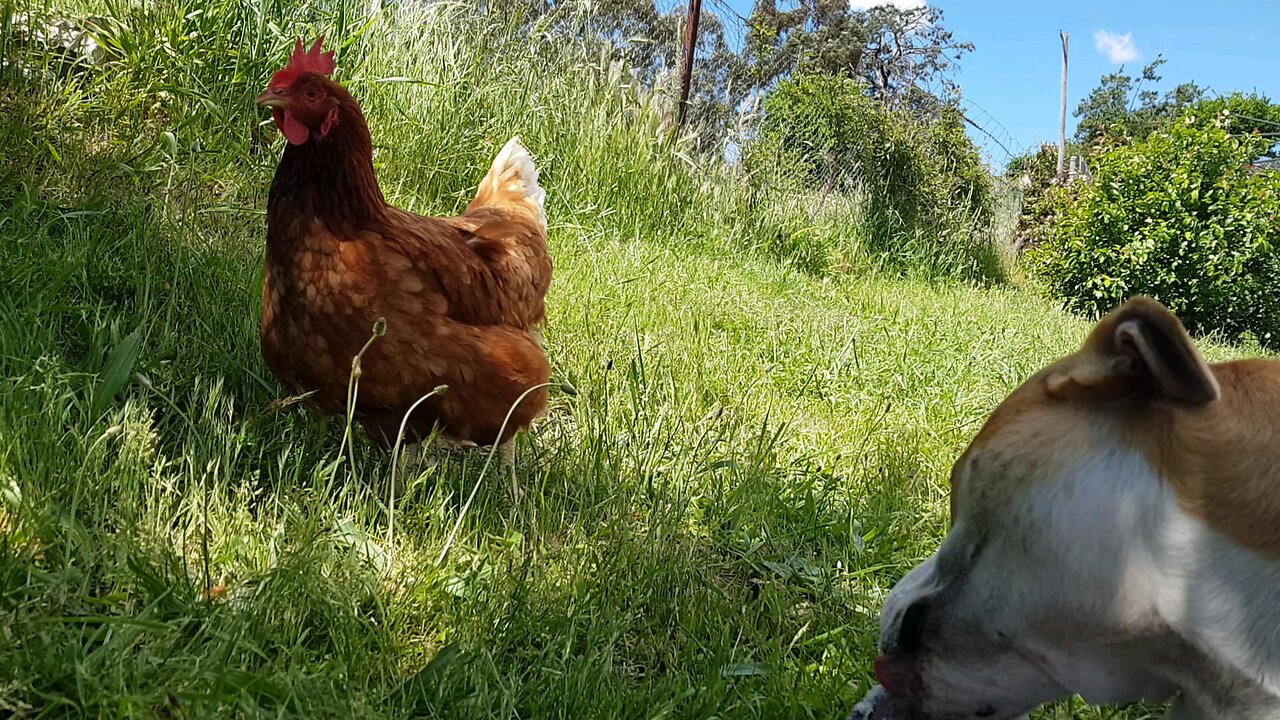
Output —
<point x="512" y="179"/>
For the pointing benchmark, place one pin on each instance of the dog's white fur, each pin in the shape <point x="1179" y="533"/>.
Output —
<point x="1090" y="551"/>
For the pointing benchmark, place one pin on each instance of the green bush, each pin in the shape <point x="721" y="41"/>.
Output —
<point x="1248" y="113"/>
<point x="1036" y="174"/>
<point x="1180" y="216"/>
<point x="836" y="138"/>
<point x="927" y="195"/>
<point x="954" y="168"/>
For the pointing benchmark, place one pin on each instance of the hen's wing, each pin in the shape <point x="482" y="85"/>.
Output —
<point x="491" y="263"/>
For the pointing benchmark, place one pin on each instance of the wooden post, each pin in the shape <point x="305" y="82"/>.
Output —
<point x="690" y="42"/>
<point x="1062" y="119"/>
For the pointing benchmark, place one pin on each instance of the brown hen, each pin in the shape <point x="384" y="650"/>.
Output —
<point x="463" y="297"/>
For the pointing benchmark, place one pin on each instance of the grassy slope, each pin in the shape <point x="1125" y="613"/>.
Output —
<point x="754" y="456"/>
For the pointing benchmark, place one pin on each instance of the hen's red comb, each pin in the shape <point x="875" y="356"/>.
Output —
<point x="304" y="61"/>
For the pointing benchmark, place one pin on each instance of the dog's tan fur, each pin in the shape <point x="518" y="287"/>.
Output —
<point x="1115" y="534"/>
<point x="1211" y="431"/>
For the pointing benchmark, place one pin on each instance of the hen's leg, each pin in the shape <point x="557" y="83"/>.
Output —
<point x="414" y="460"/>
<point x="507" y="460"/>
<point x="419" y="456"/>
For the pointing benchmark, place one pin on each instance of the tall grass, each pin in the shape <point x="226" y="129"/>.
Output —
<point x="756" y="452"/>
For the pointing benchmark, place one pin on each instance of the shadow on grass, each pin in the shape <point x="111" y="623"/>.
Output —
<point x="169" y="548"/>
<point x="175" y="556"/>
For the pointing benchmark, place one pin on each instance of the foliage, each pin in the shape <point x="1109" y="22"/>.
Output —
<point x="815" y="36"/>
<point x="1249" y="113"/>
<point x="823" y="131"/>
<point x="909" y="49"/>
<point x="902" y="55"/>
<point x="1180" y="216"/>
<point x="755" y="452"/>
<point x="1037" y="166"/>
<point x="1036" y="174"/>
<point x="1120" y="109"/>
<point x="648" y="39"/>
<point x="956" y="170"/>
<point x="898" y="53"/>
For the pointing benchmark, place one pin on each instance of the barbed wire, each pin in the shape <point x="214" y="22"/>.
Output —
<point x="989" y="126"/>
<point x="1264" y="121"/>
<point x="727" y="8"/>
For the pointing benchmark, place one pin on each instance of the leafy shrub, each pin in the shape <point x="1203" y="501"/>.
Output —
<point x="927" y="193"/>
<point x="1036" y="173"/>
<point x="1249" y="112"/>
<point x="1180" y="216"/>
<point x="954" y="167"/>
<point x="840" y="139"/>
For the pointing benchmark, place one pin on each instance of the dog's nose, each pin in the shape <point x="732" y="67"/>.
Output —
<point x="910" y="636"/>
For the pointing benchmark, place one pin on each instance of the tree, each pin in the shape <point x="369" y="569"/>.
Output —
<point x="649" y="42"/>
<point x="1121" y="110"/>
<point x="901" y="55"/>
<point x="908" y="51"/>
<point x="817" y="36"/>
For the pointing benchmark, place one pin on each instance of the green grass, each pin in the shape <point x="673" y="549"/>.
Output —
<point x="758" y="448"/>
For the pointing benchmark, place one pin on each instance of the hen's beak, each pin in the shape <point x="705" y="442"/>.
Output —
<point x="272" y="98"/>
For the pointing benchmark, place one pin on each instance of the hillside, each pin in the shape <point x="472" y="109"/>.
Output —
<point x="755" y="451"/>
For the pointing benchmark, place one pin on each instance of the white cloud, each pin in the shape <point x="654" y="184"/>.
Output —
<point x="903" y="4"/>
<point x="1118" y="48"/>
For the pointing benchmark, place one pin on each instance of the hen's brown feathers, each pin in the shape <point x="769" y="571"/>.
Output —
<point x="463" y="296"/>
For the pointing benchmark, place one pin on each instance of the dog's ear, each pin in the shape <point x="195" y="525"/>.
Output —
<point x="1139" y="349"/>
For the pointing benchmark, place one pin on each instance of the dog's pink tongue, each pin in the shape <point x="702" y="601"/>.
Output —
<point x="894" y="674"/>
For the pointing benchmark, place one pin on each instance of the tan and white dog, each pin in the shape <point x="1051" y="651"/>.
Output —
<point x="1115" y="533"/>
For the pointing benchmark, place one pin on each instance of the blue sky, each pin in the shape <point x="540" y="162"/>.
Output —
<point x="1013" y="76"/>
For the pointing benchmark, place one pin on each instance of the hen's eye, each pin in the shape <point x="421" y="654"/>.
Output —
<point x="312" y="93"/>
